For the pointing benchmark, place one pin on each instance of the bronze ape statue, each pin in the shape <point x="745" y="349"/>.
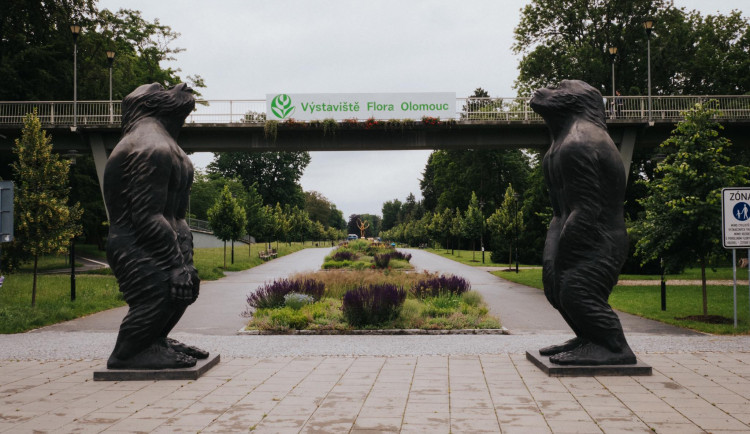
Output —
<point x="586" y="242"/>
<point x="147" y="183"/>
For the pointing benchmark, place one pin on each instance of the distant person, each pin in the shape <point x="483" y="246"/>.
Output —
<point x="619" y="103"/>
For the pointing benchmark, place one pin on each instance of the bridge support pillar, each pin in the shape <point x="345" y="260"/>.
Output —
<point x="96" y="141"/>
<point x="626" y="149"/>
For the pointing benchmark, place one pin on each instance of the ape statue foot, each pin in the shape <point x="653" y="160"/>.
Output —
<point x="591" y="354"/>
<point x="186" y="349"/>
<point x="568" y="345"/>
<point x="154" y="357"/>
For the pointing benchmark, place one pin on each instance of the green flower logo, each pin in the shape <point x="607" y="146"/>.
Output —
<point x="281" y="106"/>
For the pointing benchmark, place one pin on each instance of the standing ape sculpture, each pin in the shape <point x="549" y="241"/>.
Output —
<point x="586" y="243"/>
<point x="147" y="183"/>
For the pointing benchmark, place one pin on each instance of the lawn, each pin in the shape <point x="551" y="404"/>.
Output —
<point x="96" y="290"/>
<point x="471" y="257"/>
<point x="53" y="305"/>
<point x="682" y="301"/>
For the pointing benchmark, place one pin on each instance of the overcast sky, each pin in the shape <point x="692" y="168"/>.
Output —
<point x="245" y="49"/>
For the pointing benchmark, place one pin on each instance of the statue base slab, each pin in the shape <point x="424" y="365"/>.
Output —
<point x="555" y="370"/>
<point x="193" y="373"/>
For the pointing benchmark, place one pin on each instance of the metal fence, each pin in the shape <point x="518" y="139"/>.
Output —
<point x="634" y="108"/>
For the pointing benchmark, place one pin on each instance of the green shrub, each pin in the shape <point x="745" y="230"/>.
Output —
<point x="286" y="317"/>
<point x="471" y="298"/>
<point x="441" y="306"/>
<point x="411" y="312"/>
<point x="328" y="265"/>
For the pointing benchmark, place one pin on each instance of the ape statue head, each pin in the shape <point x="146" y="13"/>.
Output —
<point x="170" y="106"/>
<point x="572" y="98"/>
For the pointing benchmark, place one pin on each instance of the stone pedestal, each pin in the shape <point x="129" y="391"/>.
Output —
<point x="193" y="373"/>
<point x="555" y="370"/>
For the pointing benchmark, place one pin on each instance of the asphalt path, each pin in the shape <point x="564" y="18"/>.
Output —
<point x="522" y="309"/>
<point x="218" y="310"/>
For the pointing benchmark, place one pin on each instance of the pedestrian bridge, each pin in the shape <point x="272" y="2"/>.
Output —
<point x="479" y="123"/>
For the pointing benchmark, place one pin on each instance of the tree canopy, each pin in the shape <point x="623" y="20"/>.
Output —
<point x="690" y="53"/>
<point x="275" y="175"/>
<point x="36" y="44"/>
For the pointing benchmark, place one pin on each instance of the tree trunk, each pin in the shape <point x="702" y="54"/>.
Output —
<point x="510" y="258"/>
<point x="33" y="285"/>
<point x="225" y="254"/>
<point x="232" y="252"/>
<point x="703" y="286"/>
<point x="473" y="250"/>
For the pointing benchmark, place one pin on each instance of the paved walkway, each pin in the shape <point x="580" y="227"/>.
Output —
<point x="369" y="384"/>
<point x="688" y="393"/>
<point x="218" y="310"/>
<point x="523" y="309"/>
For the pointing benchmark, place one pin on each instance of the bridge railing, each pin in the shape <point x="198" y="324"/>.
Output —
<point x="634" y="108"/>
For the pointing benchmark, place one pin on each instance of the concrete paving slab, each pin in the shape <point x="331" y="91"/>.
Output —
<point x="355" y="397"/>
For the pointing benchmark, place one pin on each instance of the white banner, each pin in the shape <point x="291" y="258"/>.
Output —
<point x="360" y="106"/>
<point x="735" y="218"/>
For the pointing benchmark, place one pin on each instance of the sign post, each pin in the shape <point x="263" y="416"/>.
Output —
<point x="6" y="215"/>
<point x="735" y="228"/>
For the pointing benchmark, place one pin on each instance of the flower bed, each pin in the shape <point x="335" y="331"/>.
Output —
<point x="367" y="300"/>
<point x="360" y="255"/>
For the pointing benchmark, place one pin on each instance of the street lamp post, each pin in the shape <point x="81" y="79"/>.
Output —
<point x="110" y="61"/>
<point x="76" y="30"/>
<point x="481" y="234"/>
<point x="515" y="226"/>
<point x="649" y="26"/>
<point x="71" y="155"/>
<point x="612" y="56"/>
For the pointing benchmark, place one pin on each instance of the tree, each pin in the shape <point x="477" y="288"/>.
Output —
<point x="227" y="219"/>
<point x="451" y="175"/>
<point x="45" y="223"/>
<point x="560" y="39"/>
<point x="320" y="209"/>
<point x="457" y="228"/>
<point x="473" y="222"/>
<point x="443" y="224"/>
<point x="207" y="187"/>
<point x="505" y="224"/>
<point x="280" y="224"/>
<point x="276" y="175"/>
<point x="682" y="220"/>
<point x="36" y="42"/>
<point x="391" y="210"/>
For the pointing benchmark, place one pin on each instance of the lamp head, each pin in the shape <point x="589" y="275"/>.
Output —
<point x="75" y="29"/>
<point x="649" y="26"/>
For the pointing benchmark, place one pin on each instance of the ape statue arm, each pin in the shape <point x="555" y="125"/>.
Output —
<point x="147" y="174"/>
<point x="580" y="166"/>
